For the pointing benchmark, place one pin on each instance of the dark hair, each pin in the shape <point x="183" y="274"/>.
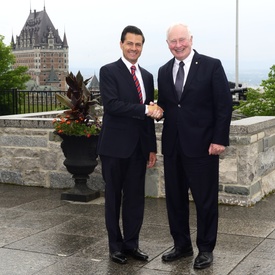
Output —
<point x="131" y="29"/>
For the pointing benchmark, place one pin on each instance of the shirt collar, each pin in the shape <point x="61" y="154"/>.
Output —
<point x="187" y="59"/>
<point x="128" y="64"/>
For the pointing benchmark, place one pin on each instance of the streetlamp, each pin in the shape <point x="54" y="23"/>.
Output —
<point x="237" y="47"/>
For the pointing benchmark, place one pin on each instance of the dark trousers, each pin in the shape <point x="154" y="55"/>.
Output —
<point x="201" y="176"/>
<point x="124" y="190"/>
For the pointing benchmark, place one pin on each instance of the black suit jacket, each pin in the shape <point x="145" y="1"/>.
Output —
<point x="203" y="114"/>
<point x="124" y="119"/>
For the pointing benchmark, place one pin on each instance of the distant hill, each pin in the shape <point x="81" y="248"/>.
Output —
<point x="248" y="78"/>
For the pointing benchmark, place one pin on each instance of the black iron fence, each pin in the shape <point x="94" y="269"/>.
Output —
<point x="21" y="102"/>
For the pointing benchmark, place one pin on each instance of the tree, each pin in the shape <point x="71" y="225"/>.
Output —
<point x="11" y="78"/>
<point x="260" y="102"/>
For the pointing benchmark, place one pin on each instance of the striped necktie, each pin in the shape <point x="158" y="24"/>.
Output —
<point x="133" y="70"/>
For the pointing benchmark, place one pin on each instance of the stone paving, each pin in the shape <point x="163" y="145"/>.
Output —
<point x="42" y="234"/>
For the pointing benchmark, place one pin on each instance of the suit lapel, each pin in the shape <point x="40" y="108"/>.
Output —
<point x="125" y="72"/>
<point x="145" y="82"/>
<point x="129" y="78"/>
<point x="170" y="76"/>
<point x="192" y="72"/>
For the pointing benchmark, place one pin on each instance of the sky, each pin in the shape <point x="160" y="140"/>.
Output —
<point x="93" y="29"/>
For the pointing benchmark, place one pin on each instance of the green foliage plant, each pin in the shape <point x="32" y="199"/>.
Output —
<point x="10" y="77"/>
<point x="260" y="101"/>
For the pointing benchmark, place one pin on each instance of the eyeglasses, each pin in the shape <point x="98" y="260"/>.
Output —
<point x="174" y="42"/>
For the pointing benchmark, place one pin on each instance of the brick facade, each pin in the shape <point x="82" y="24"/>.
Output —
<point x="40" y="48"/>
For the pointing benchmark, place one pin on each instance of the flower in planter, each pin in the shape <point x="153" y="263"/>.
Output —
<point x="82" y="117"/>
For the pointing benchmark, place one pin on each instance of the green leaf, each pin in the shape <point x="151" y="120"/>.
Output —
<point x="64" y="100"/>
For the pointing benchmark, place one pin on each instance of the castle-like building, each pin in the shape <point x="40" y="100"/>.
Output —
<point x="40" y="48"/>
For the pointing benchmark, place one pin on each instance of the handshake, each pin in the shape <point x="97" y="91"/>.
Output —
<point x="154" y="111"/>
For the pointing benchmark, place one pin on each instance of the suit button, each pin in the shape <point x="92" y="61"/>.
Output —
<point x="179" y="105"/>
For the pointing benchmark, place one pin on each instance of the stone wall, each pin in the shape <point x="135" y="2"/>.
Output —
<point x="30" y="154"/>
<point x="247" y="168"/>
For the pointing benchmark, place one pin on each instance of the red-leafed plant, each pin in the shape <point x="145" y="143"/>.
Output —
<point x="82" y="117"/>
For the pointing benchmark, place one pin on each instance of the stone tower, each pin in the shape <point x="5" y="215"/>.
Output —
<point x="40" y="48"/>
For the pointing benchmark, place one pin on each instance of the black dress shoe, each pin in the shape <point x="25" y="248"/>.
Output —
<point x="137" y="254"/>
<point x="177" y="253"/>
<point x="118" y="257"/>
<point x="203" y="260"/>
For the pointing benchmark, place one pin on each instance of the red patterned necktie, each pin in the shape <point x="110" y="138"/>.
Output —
<point x="133" y="70"/>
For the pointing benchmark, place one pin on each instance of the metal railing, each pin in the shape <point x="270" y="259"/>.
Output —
<point x="22" y="102"/>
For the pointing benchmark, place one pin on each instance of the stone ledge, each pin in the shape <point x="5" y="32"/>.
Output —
<point x="252" y="125"/>
<point x="43" y="120"/>
<point x="30" y="154"/>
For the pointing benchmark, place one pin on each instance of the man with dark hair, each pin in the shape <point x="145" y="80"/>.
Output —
<point x="127" y="143"/>
<point x="133" y="30"/>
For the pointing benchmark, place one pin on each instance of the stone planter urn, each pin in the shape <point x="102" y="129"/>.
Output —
<point x="80" y="161"/>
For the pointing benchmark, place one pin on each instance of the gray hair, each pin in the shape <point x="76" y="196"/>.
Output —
<point x="175" y="25"/>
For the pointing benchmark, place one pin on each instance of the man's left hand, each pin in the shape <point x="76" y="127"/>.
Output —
<point x="216" y="149"/>
<point x="152" y="160"/>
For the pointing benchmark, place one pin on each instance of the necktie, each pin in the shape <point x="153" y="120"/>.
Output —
<point x="133" y="70"/>
<point x="179" y="79"/>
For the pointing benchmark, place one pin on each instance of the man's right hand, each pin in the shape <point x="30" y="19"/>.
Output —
<point x="154" y="111"/>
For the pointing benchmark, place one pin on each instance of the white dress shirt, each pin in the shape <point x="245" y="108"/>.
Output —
<point x="138" y="75"/>
<point x="187" y="63"/>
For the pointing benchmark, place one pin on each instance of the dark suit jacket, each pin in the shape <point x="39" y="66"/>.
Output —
<point x="124" y="119"/>
<point x="203" y="114"/>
